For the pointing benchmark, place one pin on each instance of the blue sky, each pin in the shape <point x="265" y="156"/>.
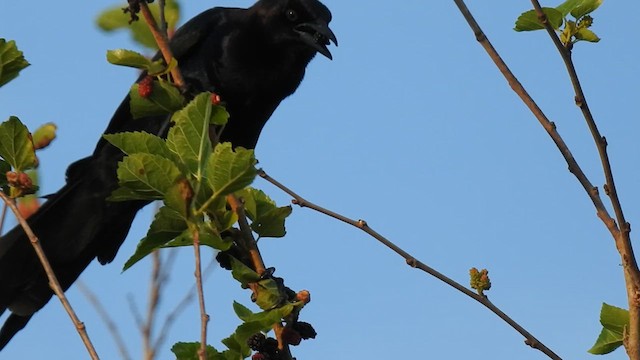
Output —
<point x="410" y="127"/>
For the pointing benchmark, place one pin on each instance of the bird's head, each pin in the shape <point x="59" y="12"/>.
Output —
<point x="301" y="21"/>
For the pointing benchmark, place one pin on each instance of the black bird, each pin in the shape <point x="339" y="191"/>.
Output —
<point x="253" y="58"/>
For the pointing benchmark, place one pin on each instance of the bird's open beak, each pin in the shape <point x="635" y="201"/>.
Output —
<point x="318" y="36"/>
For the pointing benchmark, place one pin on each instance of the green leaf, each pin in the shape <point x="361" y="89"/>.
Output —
<point x="614" y="321"/>
<point x="148" y="176"/>
<point x="267" y="318"/>
<point x="614" y="318"/>
<point x="44" y="135"/>
<point x="268" y="219"/>
<point x="189" y="351"/>
<point x="114" y="19"/>
<point x="587" y="35"/>
<point x="129" y="58"/>
<point x="234" y="345"/>
<point x="270" y="295"/>
<point x="271" y="223"/>
<point x="166" y="226"/>
<point x="139" y="142"/>
<point x="219" y="115"/>
<point x="586" y="7"/>
<point x="189" y="137"/>
<point x="12" y="61"/>
<point x="164" y="99"/>
<point x="253" y="323"/>
<point x="179" y="197"/>
<point x="159" y="68"/>
<point x="528" y="21"/>
<point x="136" y="60"/>
<point x="16" y="146"/>
<point x="242" y="311"/>
<point x="242" y="272"/>
<point x="566" y="7"/>
<point x="568" y="32"/>
<point x="207" y="237"/>
<point x="229" y="171"/>
<point x="607" y="342"/>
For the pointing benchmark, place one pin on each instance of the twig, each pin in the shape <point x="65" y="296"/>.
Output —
<point x="106" y="318"/>
<point x="154" y="299"/>
<point x="163" y="43"/>
<point x="621" y="230"/>
<point x="53" y="281"/>
<point x="161" y="38"/>
<point x="249" y="242"/>
<point x="137" y="317"/>
<point x="204" y="318"/>
<point x="181" y="306"/>
<point x="413" y="262"/>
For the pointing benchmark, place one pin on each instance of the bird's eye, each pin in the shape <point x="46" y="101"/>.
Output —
<point x="292" y="15"/>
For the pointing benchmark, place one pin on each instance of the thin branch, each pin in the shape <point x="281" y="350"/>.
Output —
<point x="163" y="43"/>
<point x="204" y="318"/>
<point x="53" y="281"/>
<point x="249" y="243"/>
<point x="414" y="263"/>
<point x="154" y="300"/>
<point x="549" y="126"/>
<point x="106" y="318"/>
<point x="621" y="232"/>
<point x="173" y="315"/>
<point x="137" y="317"/>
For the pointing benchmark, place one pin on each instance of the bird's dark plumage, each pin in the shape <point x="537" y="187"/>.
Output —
<point x="253" y="58"/>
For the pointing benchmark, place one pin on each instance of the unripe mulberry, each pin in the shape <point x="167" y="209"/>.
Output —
<point x="145" y="87"/>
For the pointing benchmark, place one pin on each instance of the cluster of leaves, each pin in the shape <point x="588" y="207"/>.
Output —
<point x="574" y="30"/>
<point x="193" y="175"/>
<point x="17" y="145"/>
<point x="237" y="345"/>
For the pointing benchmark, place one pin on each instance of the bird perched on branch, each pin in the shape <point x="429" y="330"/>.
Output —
<point x="253" y="58"/>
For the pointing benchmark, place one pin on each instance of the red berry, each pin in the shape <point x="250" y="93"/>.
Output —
<point x="145" y="87"/>
<point x="12" y="178"/>
<point x="215" y="99"/>
<point x="304" y="296"/>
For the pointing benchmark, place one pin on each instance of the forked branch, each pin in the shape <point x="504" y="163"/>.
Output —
<point x="621" y="230"/>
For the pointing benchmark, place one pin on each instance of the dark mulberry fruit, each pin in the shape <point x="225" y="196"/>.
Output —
<point x="305" y="330"/>
<point x="256" y="341"/>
